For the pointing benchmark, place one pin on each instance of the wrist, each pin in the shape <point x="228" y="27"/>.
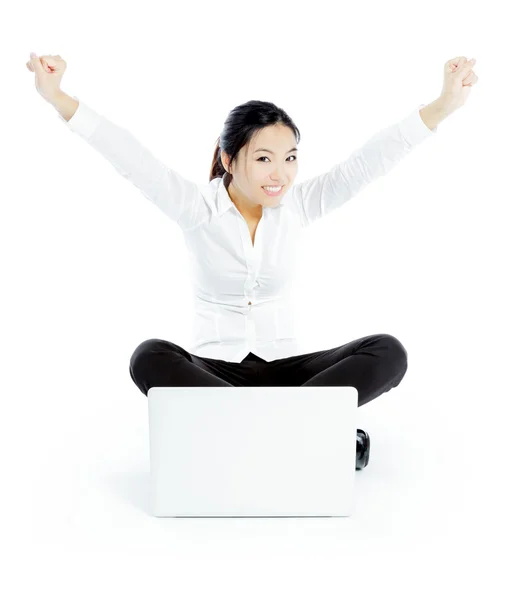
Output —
<point x="56" y="98"/>
<point x="64" y="104"/>
<point x="434" y="113"/>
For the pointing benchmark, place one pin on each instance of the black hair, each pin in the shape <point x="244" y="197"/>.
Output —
<point x="242" y="123"/>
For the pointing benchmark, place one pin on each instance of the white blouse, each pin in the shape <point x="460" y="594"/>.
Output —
<point x="243" y="299"/>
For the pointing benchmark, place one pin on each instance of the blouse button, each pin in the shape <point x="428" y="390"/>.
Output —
<point x="249" y="303"/>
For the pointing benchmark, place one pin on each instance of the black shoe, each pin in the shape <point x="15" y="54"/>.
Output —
<point x="362" y="449"/>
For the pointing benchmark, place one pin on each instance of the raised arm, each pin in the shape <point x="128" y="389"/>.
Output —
<point x="180" y="199"/>
<point x="320" y="195"/>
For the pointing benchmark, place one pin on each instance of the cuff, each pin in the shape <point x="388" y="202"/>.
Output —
<point x="414" y="129"/>
<point x="84" y="121"/>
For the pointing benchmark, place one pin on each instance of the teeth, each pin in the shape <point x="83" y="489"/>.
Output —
<point x="272" y="189"/>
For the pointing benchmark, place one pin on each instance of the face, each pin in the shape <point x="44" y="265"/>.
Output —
<point x="270" y="159"/>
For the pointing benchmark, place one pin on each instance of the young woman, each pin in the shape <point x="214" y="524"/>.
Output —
<point x="242" y="229"/>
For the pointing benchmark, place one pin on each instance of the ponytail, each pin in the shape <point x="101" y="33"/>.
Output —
<point x="217" y="169"/>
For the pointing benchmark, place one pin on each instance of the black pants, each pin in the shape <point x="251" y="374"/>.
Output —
<point x="373" y="365"/>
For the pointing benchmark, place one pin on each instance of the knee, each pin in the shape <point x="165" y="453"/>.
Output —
<point x="140" y="354"/>
<point x="146" y="350"/>
<point x="396" y="349"/>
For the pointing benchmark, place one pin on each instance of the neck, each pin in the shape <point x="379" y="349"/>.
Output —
<point x="249" y="210"/>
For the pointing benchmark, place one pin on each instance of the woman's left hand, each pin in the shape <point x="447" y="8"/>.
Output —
<point x="459" y="78"/>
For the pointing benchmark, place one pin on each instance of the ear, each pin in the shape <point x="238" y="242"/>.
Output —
<point x="224" y="158"/>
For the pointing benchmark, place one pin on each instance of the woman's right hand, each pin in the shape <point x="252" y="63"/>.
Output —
<point x="49" y="70"/>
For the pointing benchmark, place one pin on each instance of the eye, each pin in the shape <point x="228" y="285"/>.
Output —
<point x="292" y="156"/>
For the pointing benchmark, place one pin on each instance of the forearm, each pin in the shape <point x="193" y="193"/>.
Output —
<point x="64" y="104"/>
<point x="433" y="114"/>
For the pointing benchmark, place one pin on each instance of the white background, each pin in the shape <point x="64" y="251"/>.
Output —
<point x="90" y="268"/>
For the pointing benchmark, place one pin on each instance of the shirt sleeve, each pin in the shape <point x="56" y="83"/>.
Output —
<point x="180" y="199"/>
<point x="320" y="195"/>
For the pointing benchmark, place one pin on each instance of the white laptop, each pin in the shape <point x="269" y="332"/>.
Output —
<point x="252" y="451"/>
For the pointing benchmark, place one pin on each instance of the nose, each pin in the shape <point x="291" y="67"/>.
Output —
<point x="278" y="177"/>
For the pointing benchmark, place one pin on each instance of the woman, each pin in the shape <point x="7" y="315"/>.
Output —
<point x="242" y="229"/>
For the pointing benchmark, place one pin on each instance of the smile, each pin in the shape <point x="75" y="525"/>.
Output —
<point x="273" y="191"/>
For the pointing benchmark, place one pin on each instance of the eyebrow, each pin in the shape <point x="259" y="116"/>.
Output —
<point x="267" y="150"/>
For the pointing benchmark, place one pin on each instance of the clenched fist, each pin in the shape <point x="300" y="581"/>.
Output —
<point x="459" y="78"/>
<point x="49" y="70"/>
